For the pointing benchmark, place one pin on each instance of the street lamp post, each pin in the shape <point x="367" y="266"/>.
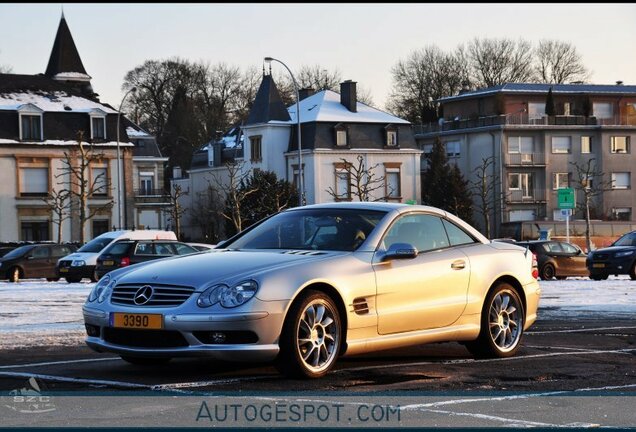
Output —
<point x="301" y="183"/>
<point x="119" y="202"/>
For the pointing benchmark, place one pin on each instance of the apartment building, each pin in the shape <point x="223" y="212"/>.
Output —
<point x="533" y="153"/>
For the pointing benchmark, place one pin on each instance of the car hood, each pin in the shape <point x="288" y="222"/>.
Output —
<point x="613" y="249"/>
<point x="221" y="266"/>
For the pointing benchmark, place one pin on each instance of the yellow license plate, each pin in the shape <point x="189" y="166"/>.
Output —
<point x="63" y="270"/>
<point x="138" y="321"/>
<point x="598" y="265"/>
<point x="108" y="262"/>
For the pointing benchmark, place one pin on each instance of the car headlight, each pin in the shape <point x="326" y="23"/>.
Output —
<point x="623" y="254"/>
<point x="78" y="263"/>
<point x="229" y="297"/>
<point x="100" y="291"/>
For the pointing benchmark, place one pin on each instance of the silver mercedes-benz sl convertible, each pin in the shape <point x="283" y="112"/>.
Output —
<point x="310" y="284"/>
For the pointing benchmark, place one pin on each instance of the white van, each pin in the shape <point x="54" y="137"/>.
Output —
<point x="81" y="264"/>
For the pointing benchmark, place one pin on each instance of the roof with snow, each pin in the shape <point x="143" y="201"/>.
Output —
<point x="64" y="56"/>
<point x="325" y="106"/>
<point x="605" y="89"/>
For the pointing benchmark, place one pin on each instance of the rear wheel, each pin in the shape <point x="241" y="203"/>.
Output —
<point x="14" y="274"/>
<point x="632" y="272"/>
<point x="311" y="337"/>
<point x="561" y="277"/>
<point x="502" y="321"/>
<point x="73" y="279"/>
<point x="547" y="272"/>
<point x="146" y="361"/>
<point x="599" y="276"/>
<point x="53" y="279"/>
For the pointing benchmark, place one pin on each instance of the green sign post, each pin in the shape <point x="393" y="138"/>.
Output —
<point x="566" y="200"/>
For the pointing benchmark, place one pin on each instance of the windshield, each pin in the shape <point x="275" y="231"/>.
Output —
<point x="18" y="252"/>
<point x="312" y="229"/>
<point x="628" y="239"/>
<point x="96" y="245"/>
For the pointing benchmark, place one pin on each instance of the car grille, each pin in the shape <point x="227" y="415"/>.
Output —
<point x="65" y="263"/>
<point x="145" y="338"/>
<point x="600" y="256"/>
<point x="162" y="295"/>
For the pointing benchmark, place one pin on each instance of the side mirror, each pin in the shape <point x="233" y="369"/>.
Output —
<point x="400" y="251"/>
<point x="29" y="257"/>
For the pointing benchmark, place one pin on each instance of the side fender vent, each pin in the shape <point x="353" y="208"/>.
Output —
<point x="360" y="306"/>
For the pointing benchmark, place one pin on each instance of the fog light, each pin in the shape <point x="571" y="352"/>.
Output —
<point x="217" y="337"/>
<point x="92" y="330"/>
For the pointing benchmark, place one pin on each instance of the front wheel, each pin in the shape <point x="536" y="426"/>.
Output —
<point x="311" y="337"/>
<point x="14" y="275"/>
<point x="547" y="272"/>
<point x="52" y="279"/>
<point x="632" y="272"/>
<point x="73" y="279"/>
<point x="94" y="277"/>
<point x="599" y="276"/>
<point x="502" y="321"/>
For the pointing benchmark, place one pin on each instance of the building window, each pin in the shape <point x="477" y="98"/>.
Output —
<point x="453" y="149"/>
<point x="520" y="144"/>
<point x="602" y="110"/>
<point x="31" y="127"/>
<point x="34" y="231"/>
<point x="100" y="226"/>
<point x="99" y="180"/>
<point x="33" y="177"/>
<point x="561" y="144"/>
<point x="521" y="182"/>
<point x="560" y="180"/>
<point x="391" y="136"/>
<point x="566" y="108"/>
<point x="586" y="144"/>
<point x="621" y="180"/>
<point x="619" y="144"/>
<point x="255" y="149"/>
<point x="146" y="184"/>
<point x="343" y="183"/>
<point x="98" y="127"/>
<point x="622" y="213"/>
<point x="393" y="181"/>
<point x="536" y="110"/>
<point x="427" y="149"/>
<point x="341" y="135"/>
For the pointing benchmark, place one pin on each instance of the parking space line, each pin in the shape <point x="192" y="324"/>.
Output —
<point x="51" y="363"/>
<point x="195" y="384"/>
<point x="57" y="378"/>
<point x="579" y="330"/>
<point x="558" y="347"/>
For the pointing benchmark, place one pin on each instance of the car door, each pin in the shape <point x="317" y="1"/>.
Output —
<point x="144" y="251"/>
<point x="574" y="260"/>
<point x="428" y="291"/>
<point x="37" y="262"/>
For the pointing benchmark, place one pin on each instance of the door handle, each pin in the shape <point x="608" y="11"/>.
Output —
<point x="458" y="265"/>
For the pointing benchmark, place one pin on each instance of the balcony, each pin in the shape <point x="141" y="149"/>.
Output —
<point x="525" y="159"/>
<point x="519" y="196"/>
<point x="523" y="119"/>
<point x="151" y="196"/>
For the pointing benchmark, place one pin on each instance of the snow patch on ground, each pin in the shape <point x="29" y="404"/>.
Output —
<point x="38" y="313"/>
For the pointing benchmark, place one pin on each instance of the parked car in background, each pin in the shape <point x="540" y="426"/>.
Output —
<point x="619" y="258"/>
<point x="33" y="261"/>
<point x="81" y="264"/>
<point x="202" y="247"/>
<point x="123" y="253"/>
<point x="557" y="259"/>
<point x="5" y="250"/>
<point x="312" y="283"/>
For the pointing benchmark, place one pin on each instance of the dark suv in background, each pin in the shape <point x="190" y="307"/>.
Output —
<point x="557" y="259"/>
<point x="33" y="261"/>
<point x="128" y="252"/>
<point x="619" y="258"/>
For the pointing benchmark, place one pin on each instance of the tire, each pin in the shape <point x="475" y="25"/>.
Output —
<point x="53" y="279"/>
<point x="599" y="276"/>
<point x="498" y="337"/>
<point x="561" y="277"/>
<point x="73" y="279"/>
<point x="310" y="341"/>
<point x="146" y="361"/>
<point x="15" y="274"/>
<point x="547" y="272"/>
<point x="94" y="277"/>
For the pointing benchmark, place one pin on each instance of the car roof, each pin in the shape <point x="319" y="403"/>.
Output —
<point x="365" y="205"/>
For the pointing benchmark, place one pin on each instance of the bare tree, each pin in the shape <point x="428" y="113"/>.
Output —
<point x="484" y="188"/>
<point x="422" y="78"/>
<point x="58" y="203"/>
<point x="175" y="210"/>
<point x="558" y="62"/>
<point x="589" y="181"/>
<point x="82" y="185"/>
<point x="363" y="181"/>
<point x="205" y="214"/>
<point x="498" y="61"/>
<point x="234" y="194"/>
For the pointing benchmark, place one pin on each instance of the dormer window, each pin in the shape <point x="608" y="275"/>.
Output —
<point x="30" y="123"/>
<point x="391" y="139"/>
<point x="341" y="135"/>
<point x="98" y="124"/>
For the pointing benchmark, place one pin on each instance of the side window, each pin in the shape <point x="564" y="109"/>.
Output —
<point x="40" y="252"/>
<point x="456" y="235"/>
<point x="183" y="249"/>
<point x="555" y="247"/>
<point x="425" y="232"/>
<point x="144" y="248"/>
<point x="568" y="248"/>
<point x="163" y="249"/>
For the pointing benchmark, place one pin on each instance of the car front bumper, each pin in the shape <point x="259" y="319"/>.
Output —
<point x="620" y="265"/>
<point x="85" y="271"/>
<point x="187" y="328"/>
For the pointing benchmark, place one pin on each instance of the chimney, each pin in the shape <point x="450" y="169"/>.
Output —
<point x="348" y="96"/>
<point x="619" y="82"/>
<point x="304" y="93"/>
<point x="465" y="87"/>
<point x="176" y="172"/>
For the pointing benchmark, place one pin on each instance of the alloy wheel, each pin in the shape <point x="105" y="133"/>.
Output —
<point x="505" y="321"/>
<point x="318" y="335"/>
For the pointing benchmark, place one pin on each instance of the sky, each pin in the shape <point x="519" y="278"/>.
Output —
<point x="362" y="41"/>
